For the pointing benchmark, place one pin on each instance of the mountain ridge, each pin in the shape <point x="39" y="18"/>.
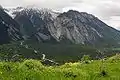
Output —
<point x="72" y="26"/>
<point x="9" y="28"/>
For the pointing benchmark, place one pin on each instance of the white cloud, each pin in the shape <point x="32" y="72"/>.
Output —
<point x="106" y="10"/>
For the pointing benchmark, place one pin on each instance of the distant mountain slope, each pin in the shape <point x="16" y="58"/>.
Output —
<point x="9" y="28"/>
<point x="72" y="26"/>
<point x="84" y="28"/>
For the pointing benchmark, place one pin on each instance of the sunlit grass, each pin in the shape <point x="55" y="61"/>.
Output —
<point x="34" y="70"/>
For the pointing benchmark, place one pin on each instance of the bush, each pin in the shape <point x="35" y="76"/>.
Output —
<point x="86" y="59"/>
<point x="114" y="58"/>
<point x="32" y="64"/>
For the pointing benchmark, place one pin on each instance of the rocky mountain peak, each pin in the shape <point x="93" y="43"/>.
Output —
<point x="72" y="26"/>
<point x="30" y="11"/>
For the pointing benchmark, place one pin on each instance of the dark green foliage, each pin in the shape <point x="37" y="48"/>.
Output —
<point x="64" y="52"/>
<point x="16" y="52"/>
<point x="103" y="73"/>
<point x="6" y="67"/>
<point x="56" y="52"/>
<point x="70" y="74"/>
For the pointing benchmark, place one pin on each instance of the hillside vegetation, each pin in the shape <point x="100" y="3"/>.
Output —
<point x="56" y="52"/>
<point x="34" y="70"/>
<point x="20" y="62"/>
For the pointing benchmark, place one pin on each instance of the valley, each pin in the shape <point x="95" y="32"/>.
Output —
<point x="41" y="44"/>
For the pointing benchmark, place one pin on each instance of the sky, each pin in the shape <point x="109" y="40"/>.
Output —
<point x="106" y="10"/>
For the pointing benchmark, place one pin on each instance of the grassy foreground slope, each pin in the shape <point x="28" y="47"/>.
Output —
<point x="34" y="70"/>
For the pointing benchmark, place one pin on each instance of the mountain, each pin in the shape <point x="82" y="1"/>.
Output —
<point x="33" y="22"/>
<point x="81" y="27"/>
<point x="72" y="26"/>
<point x="55" y="31"/>
<point x="9" y="28"/>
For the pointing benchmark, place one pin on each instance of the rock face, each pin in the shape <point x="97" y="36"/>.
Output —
<point x="34" y="22"/>
<point x="83" y="28"/>
<point x="72" y="26"/>
<point x="9" y="29"/>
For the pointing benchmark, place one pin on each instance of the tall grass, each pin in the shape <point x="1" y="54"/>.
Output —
<point x="34" y="70"/>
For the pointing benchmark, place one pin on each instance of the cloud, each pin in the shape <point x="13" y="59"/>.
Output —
<point x="53" y="4"/>
<point x="106" y="10"/>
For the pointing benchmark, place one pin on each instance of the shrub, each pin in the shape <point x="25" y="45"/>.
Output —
<point x="86" y="59"/>
<point x="32" y="64"/>
<point x="114" y="58"/>
<point x="8" y="66"/>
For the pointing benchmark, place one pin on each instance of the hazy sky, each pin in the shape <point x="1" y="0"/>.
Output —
<point x="106" y="10"/>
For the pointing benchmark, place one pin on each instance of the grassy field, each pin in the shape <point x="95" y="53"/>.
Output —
<point x="34" y="70"/>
